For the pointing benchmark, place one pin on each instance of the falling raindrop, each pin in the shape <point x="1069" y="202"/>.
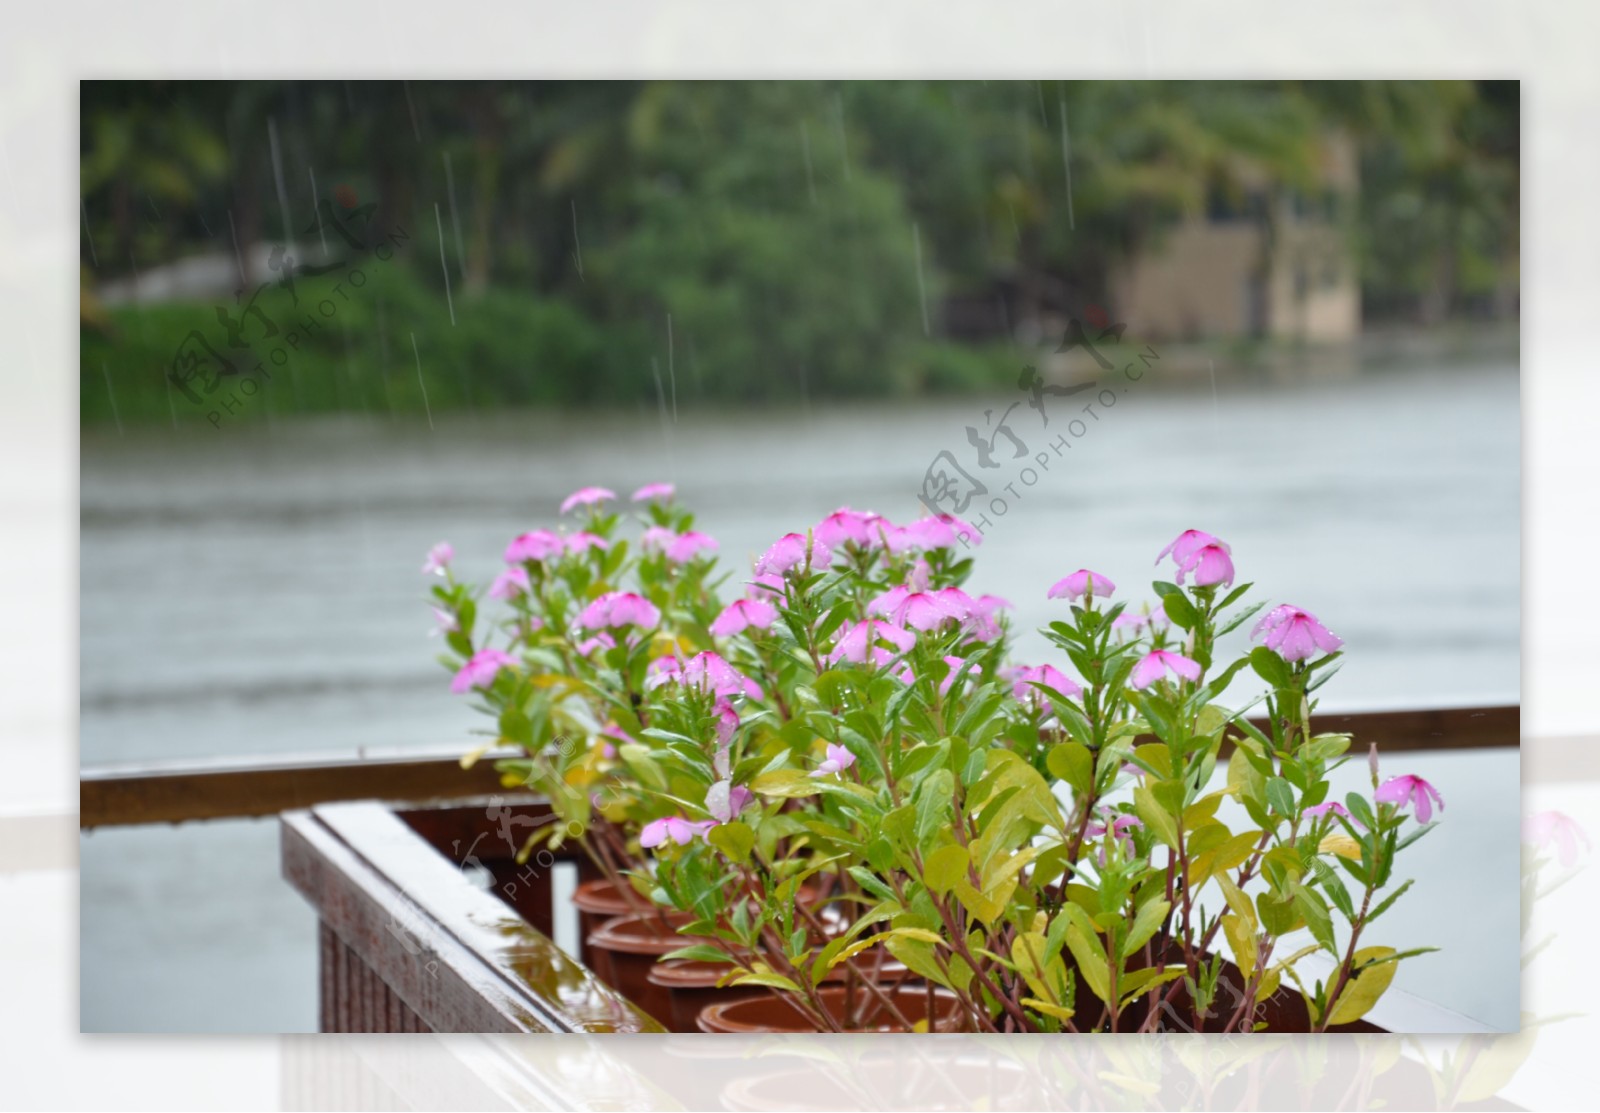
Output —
<point x="577" y="248"/>
<point x="672" y="375"/>
<point x="93" y="258"/>
<point x="922" y="291"/>
<point x="1066" y="161"/>
<point x="455" y="217"/>
<point x="425" y="406"/>
<point x="412" y="108"/>
<point x="805" y="146"/>
<point x="238" y="256"/>
<point x="316" y="208"/>
<point x="661" y="399"/>
<point x="439" y="223"/>
<point x="277" y="177"/>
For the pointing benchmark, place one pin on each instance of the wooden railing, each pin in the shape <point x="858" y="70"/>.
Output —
<point x="174" y="792"/>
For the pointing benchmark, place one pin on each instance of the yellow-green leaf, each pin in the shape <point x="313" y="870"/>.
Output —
<point x="1364" y="988"/>
<point x="766" y="978"/>
<point x="1155" y="817"/>
<point x="944" y="867"/>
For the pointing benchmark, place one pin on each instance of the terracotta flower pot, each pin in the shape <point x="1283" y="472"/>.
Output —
<point x="597" y="902"/>
<point x="627" y="948"/>
<point x="768" y="1013"/>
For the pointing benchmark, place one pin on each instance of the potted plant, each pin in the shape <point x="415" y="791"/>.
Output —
<point x="850" y="799"/>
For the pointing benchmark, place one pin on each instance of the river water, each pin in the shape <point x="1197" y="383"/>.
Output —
<point x="255" y="588"/>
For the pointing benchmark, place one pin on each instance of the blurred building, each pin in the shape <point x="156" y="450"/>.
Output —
<point x="1261" y="261"/>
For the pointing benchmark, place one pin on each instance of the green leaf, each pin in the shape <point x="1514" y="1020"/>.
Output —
<point x="1370" y="978"/>
<point x="1085" y="947"/>
<point x="935" y="806"/>
<point x="1270" y="667"/>
<point x="1317" y="919"/>
<point x="1277" y="913"/>
<point x="699" y="952"/>
<point x="1180" y="610"/>
<point x="944" y="867"/>
<point x="766" y="978"/>
<point x="1149" y="918"/>
<point x="1155" y="817"/>
<point x="1073" y="764"/>
<point x="735" y="840"/>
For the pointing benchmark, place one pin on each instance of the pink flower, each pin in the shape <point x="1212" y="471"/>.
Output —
<point x="941" y="531"/>
<point x="956" y="665"/>
<point x="439" y="558"/>
<point x="540" y="544"/>
<point x="1556" y="827"/>
<point x="1080" y="584"/>
<point x="838" y="760"/>
<point x="689" y="544"/>
<point x="1024" y="677"/>
<point x="602" y="640"/>
<point x="1128" y="620"/>
<point x="480" y="670"/>
<point x="587" y="496"/>
<point x="770" y="583"/>
<point x="789" y="552"/>
<point x="444" y="622"/>
<point x="1321" y="810"/>
<point x="706" y="671"/>
<point x="619" y="608"/>
<point x="1210" y="564"/>
<point x="860" y="642"/>
<point x="922" y="610"/>
<point x="863" y="529"/>
<point x="583" y="541"/>
<point x="1410" y="789"/>
<point x="725" y="800"/>
<point x="512" y="581"/>
<point x="650" y="492"/>
<point x="743" y="614"/>
<point x="983" y="621"/>
<point x="676" y="828"/>
<point x="1295" y="634"/>
<point x="1184" y="545"/>
<point x="616" y="734"/>
<point x="1118" y="829"/>
<point x="1158" y="662"/>
<point x="726" y="726"/>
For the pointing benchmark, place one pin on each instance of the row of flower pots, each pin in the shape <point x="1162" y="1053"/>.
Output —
<point x="625" y="943"/>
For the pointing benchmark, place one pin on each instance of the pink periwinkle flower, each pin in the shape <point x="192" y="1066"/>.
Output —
<point x="838" y="760"/>
<point x="1131" y="620"/>
<point x="445" y="622"/>
<point x="480" y="670"/>
<point x="438" y="559"/>
<point x="1155" y="664"/>
<point x="1119" y="828"/>
<point x="708" y="672"/>
<point x="1410" y="789"/>
<point x="588" y="646"/>
<point x="1024" y="677"/>
<point x="676" y="828"/>
<point x="1320" y="810"/>
<point x="726" y="725"/>
<point x="941" y="531"/>
<point x="956" y="665"/>
<point x="983" y="622"/>
<point x="583" y="541"/>
<point x="1295" y="634"/>
<point x="861" y="528"/>
<point x="1560" y="829"/>
<point x="1184" y="545"/>
<point x="744" y="614"/>
<point x="614" y="734"/>
<point x="1080" y="585"/>
<point x="511" y="582"/>
<point x="684" y="547"/>
<point x="655" y="492"/>
<point x="725" y="800"/>
<point x="922" y="610"/>
<point x="789" y="552"/>
<point x="1210" y="564"/>
<point x="587" y="496"/>
<point x="539" y="544"/>
<point x="619" y="608"/>
<point x="859" y="642"/>
<point x="769" y="583"/>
